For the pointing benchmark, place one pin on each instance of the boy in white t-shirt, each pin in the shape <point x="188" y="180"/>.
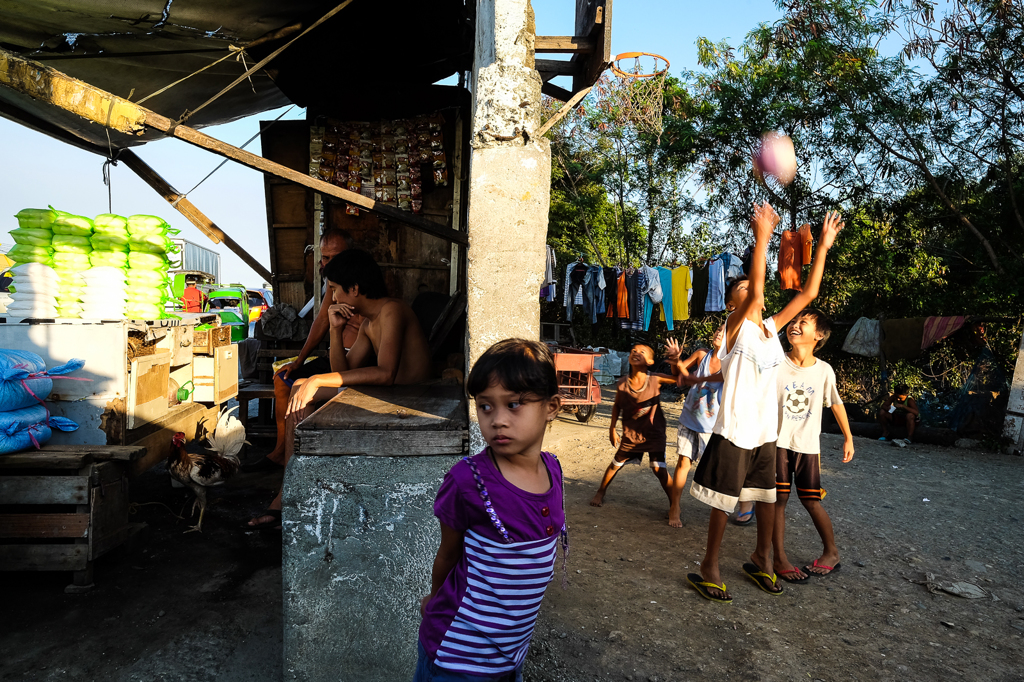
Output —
<point x="739" y="461"/>
<point x="806" y="386"/>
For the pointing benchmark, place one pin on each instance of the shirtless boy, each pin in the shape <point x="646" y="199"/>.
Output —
<point x="390" y="348"/>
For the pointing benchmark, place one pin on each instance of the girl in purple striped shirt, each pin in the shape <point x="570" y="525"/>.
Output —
<point x="501" y="516"/>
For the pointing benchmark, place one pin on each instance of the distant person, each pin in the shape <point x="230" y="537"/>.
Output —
<point x="195" y="300"/>
<point x="390" y="348"/>
<point x="638" y="401"/>
<point x="698" y="416"/>
<point x="899" y="409"/>
<point x="502" y="515"/>
<point x="806" y="385"/>
<point x="332" y="242"/>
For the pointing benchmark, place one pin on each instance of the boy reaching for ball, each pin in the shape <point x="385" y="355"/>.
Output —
<point x="806" y="385"/>
<point x="739" y="461"/>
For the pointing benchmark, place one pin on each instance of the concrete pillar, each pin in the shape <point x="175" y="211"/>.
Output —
<point x="509" y="183"/>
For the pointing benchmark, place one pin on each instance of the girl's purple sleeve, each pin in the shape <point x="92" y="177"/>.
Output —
<point x="449" y="507"/>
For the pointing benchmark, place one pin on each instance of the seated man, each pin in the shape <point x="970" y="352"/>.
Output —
<point x="899" y="409"/>
<point x="390" y="348"/>
<point x="333" y="242"/>
<point x="194" y="299"/>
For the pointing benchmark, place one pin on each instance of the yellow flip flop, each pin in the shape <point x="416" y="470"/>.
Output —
<point x="756" y="574"/>
<point x="699" y="584"/>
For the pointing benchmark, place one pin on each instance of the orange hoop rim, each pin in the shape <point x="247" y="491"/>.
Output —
<point x="633" y="55"/>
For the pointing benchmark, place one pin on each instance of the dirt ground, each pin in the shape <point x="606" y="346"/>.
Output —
<point x="181" y="608"/>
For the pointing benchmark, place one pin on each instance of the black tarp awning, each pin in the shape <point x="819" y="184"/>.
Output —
<point x="370" y="58"/>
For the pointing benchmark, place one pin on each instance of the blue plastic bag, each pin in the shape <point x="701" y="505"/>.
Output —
<point x="29" y="427"/>
<point x="24" y="379"/>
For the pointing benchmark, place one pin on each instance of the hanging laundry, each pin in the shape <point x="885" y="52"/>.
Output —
<point x="701" y="283"/>
<point x="715" y="301"/>
<point x="578" y="297"/>
<point x="597" y="273"/>
<point x="682" y="288"/>
<point x="652" y="295"/>
<point x="790" y="260"/>
<point x="549" y="284"/>
<point x="636" y="303"/>
<point x="864" y="339"/>
<point x="620" y="309"/>
<point x="665" y="275"/>
<point x="575" y="281"/>
<point x="902" y="338"/>
<point x="611" y="295"/>
<point x="807" y="242"/>
<point x="938" y="328"/>
<point x="733" y="267"/>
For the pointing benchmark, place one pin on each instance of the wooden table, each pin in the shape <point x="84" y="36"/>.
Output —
<point x="390" y="421"/>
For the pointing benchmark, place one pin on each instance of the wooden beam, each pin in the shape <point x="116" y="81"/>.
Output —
<point x="48" y="85"/>
<point x="560" y="114"/>
<point x="557" y="67"/>
<point x="563" y="44"/>
<point x="189" y="210"/>
<point x="552" y="90"/>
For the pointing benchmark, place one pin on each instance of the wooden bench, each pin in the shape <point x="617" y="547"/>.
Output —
<point x="263" y="390"/>
<point x="64" y="506"/>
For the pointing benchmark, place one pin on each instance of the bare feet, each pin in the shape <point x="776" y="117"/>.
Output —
<point x="598" y="500"/>
<point x="673" y="517"/>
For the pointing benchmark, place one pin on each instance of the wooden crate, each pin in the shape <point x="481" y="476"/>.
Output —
<point x="216" y="376"/>
<point x="72" y="499"/>
<point x="206" y="341"/>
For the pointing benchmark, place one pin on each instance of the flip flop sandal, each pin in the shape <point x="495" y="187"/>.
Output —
<point x="699" y="584"/>
<point x="815" y="564"/>
<point x="274" y="524"/>
<point x="744" y="521"/>
<point x="756" y="574"/>
<point x="794" y="581"/>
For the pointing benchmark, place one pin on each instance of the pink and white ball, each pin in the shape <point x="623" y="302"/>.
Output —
<point x="776" y="158"/>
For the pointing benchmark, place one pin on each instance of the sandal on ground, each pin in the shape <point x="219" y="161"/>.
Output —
<point x="759" y="576"/>
<point x="830" y="569"/>
<point x="273" y="524"/>
<point x="744" y="518"/>
<point x="701" y="585"/>
<point x="794" y="581"/>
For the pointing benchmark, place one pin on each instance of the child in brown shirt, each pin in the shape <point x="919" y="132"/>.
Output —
<point x="638" y="400"/>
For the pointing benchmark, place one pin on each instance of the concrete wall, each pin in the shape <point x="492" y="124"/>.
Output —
<point x="509" y="185"/>
<point x="1013" y="427"/>
<point x="359" y="543"/>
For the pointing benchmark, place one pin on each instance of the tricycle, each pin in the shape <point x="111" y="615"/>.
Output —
<point x="577" y="386"/>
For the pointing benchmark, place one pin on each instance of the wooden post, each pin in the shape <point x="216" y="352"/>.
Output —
<point x="188" y="209"/>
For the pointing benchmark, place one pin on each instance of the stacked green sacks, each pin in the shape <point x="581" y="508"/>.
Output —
<point x="109" y="241"/>
<point x="71" y="244"/>
<point x="148" y="266"/>
<point x="71" y="287"/>
<point x="33" y="237"/>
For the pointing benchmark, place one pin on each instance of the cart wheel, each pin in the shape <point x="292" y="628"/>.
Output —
<point x="585" y="413"/>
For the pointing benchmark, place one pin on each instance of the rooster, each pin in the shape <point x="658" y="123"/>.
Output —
<point x="200" y="471"/>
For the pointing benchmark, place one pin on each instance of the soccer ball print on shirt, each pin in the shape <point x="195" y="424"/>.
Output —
<point x="797" y="401"/>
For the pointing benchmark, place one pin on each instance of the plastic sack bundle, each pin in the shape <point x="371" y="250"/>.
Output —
<point x="146" y="294"/>
<point x="102" y="313"/>
<point x="144" y="311"/>
<point x="113" y="259"/>
<point x="29" y="427"/>
<point x="66" y="243"/>
<point x="23" y="253"/>
<point x="147" y="278"/>
<point x="109" y="223"/>
<point x="35" y="273"/>
<point x="148" y="224"/>
<point x="109" y="242"/>
<point x="29" y="287"/>
<point x="32" y="236"/>
<point x="104" y="276"/>
<point x="71" y="261"/>
<point x="24" y="379"/>
<point x="36" y="217"/>
<point x="152" y="243"/>
<point x="70" y="224"/>
<point x="141" y="260"/>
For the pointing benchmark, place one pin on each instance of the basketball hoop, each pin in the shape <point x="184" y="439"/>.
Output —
<point x="639" y="96"/>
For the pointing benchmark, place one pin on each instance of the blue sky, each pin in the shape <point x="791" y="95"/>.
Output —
<point x="36" y="170"/>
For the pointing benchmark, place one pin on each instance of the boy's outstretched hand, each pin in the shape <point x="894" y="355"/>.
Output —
<point x="672" y="349"/>
<point x="833" y="225"/>
<point x="764" y="222"/>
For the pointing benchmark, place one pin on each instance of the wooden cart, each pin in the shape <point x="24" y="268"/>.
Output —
<point x="577" y="386"/>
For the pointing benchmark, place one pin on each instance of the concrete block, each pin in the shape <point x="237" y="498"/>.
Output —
<point x="360" y="539"/>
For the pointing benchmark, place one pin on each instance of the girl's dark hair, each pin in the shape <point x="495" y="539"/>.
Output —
<point x="519" y="365"/>
<point x="355" y="266"/>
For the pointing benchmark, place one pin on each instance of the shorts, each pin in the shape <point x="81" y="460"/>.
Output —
<point x="692" y="444"/>
<point x="800" y="469"/>
<point x="727" y="475"/>
<point x="656" y="459"/>
<point x="428" y="671"/>
<point x="320" y="365"/>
